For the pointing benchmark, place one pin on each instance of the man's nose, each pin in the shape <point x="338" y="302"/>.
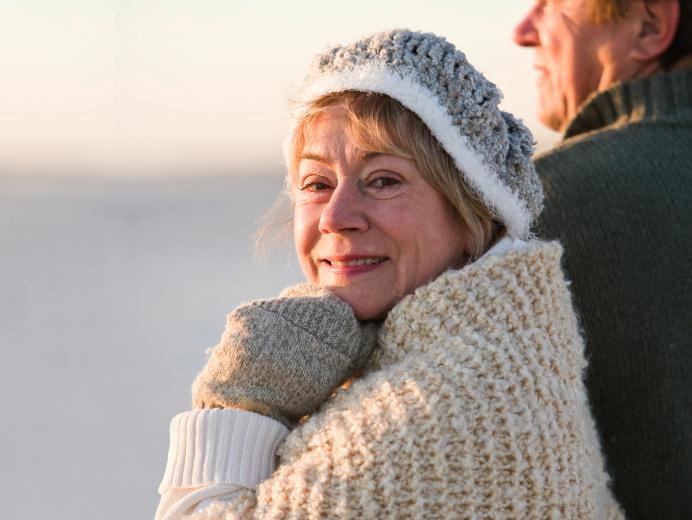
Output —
<point x="345" y="211"/>
<point x="525" y="33"/>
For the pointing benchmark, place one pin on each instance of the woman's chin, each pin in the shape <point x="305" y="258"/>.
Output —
<point x="366" y="305"/>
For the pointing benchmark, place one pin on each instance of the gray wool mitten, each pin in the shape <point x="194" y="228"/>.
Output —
<point x="284" y="356"/>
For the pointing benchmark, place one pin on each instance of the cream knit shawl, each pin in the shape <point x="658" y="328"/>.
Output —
<point x="473" y="407"/>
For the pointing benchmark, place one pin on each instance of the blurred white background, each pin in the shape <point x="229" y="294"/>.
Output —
<point x="139" y="146"/>
<point x="110" y="293"/>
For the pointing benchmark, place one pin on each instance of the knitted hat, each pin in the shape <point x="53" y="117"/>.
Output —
<point x="427" y="75"/>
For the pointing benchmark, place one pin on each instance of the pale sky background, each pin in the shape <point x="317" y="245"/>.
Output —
<point x="158" y="87"/>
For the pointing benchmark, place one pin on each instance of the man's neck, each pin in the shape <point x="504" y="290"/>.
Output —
<point x="684" y="63"/>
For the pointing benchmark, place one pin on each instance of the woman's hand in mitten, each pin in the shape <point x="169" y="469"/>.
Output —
<point x="283" y="357"/>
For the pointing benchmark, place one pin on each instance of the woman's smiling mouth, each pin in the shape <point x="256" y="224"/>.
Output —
<point x="353" y="264"/>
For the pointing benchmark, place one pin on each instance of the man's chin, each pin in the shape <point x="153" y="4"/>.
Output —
<point x="550" y="119"/>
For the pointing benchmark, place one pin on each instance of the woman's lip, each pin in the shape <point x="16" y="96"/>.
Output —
<point x="353" y="264"/>
<point x="350" y="258"/>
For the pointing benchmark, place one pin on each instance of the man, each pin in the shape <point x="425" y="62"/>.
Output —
<point x="615" y="76"/>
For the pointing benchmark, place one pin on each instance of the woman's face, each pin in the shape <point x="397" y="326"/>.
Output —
<point x="367" y="225"/>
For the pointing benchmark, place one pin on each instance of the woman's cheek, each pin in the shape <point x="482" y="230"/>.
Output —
<point x="305" y="237"/>
<point x="310" y="270"/>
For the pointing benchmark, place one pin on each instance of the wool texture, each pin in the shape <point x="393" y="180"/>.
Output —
<point x="472" y="406"/>
<point x="619" y="197"/>
<point x="429" y="76"/>
<point x="283" y="356"/>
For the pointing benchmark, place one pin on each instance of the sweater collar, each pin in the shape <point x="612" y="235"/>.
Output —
<point x="665" y="97"/>
<point x="466" y="301"/>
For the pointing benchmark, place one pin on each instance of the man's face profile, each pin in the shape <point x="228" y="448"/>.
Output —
<point x="574" y="56"/>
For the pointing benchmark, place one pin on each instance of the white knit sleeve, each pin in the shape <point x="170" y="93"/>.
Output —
<point x="216" y="455"/>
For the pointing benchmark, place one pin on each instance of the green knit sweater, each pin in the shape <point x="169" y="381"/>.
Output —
<point x="619" y="197"/>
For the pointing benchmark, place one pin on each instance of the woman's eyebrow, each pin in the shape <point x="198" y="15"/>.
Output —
<point x="325" y="160"/>
<point x="371" y="155"/>
<point x="314" y="157"/>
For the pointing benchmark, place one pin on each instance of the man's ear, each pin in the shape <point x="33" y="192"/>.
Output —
<point x="657" y="23"/>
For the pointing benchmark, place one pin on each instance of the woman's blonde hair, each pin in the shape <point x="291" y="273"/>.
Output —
<point x="379" y="123"/>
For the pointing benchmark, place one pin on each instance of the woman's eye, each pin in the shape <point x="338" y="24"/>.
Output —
<point x="315" y="186"/>
<point x="384" y="182"/>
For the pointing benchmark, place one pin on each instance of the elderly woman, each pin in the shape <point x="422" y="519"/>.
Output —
<point x="413" y="195"/>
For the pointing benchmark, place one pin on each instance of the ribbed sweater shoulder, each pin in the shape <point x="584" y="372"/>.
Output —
<point x="635" y="138"/>
<point x="473" y="406"/>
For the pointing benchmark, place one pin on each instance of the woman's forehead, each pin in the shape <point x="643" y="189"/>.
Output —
<point x="337" y="127"/>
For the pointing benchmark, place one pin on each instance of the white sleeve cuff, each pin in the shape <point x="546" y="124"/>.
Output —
<point x="221" y="446"/>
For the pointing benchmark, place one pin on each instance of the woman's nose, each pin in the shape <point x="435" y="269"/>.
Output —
<point x="525" y="33"/>
<point x="344" y="211"/>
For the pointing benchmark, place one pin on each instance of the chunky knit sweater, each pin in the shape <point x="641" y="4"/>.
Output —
<point x="473" y="406"/>
<point x="619" y="198"/>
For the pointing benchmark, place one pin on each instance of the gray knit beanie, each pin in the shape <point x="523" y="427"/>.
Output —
<point x="426" y="74"/>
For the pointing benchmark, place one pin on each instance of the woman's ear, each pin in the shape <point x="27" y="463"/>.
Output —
<point x="656" y="24"/>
